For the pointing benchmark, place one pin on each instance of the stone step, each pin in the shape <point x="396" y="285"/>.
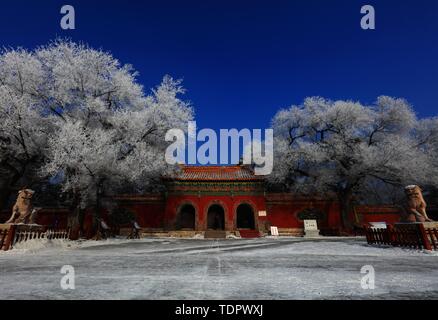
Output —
<point x="291" y="232"/>
<point x="215" y="234"/>
<point x="157" y="234"/>
<point x="184" y="233"/>
<point x="249" y="234"/>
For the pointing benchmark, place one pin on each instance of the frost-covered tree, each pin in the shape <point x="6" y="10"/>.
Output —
<point x="343" y="147"/>
<point x="78" y="115"/>
<point x="23" y="128"/>
<point x="125" y="148"/>
<point x="143" y="131"/>
<point x="112" y="134"/>
<point x="41" y="90"/>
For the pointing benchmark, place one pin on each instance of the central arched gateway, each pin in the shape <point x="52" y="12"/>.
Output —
<point x="216" y="217"/>
<point x="245" y="217"/>
<point x="186" y="217"/>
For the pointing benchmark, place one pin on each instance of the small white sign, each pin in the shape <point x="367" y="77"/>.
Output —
<point x="310" y="225"/>
<point x="274" y="231"/>
<point x="262" y="213"/>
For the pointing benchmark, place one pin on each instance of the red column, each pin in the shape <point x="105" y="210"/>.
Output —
<point x="424" y="237"/>
<point x="10" y="237"/>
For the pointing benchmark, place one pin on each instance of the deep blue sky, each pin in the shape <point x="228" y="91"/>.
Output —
<point x="243" y="60"/>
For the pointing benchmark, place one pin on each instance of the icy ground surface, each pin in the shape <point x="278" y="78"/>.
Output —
<point x="216" y="269"/>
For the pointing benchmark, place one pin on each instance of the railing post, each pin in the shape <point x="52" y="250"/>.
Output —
<point x="10" y="237"/>
<point x="390" y="233"/>
<point x="435" y="237"/>
<point x="3" y="234"/>
<point x="424" y="237"/>
<point x="431" y="233"/>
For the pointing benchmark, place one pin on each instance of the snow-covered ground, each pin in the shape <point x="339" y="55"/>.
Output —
<point x="287" y="268"/>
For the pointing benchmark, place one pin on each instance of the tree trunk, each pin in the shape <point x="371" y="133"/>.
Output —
<point x="346" y="204"/>
<point x="6" y="190"/>
<point x="97" y="209"/>
<point x="81" y="219"/>
<point x="78" y="215"/>
<point x="5" y="194"/>
<point x="7" y="185"/>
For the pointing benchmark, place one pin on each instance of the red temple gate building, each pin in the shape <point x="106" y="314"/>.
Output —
<point x="215" y="198"/>
<point x="233" y="199"/>
<point x="229" y="200"/>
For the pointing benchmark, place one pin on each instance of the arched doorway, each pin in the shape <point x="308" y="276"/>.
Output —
<point x="245" y="217"/>
<point x="186" y="218"/>
<point x="216" y="218"/>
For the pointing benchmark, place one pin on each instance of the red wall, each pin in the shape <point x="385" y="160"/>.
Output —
<point x="155" y="211"/>
<point x="150" y="215"/>
<point x="366" y="214"/>
<point x="283" y="210"/>
<point x="148" y="209"/>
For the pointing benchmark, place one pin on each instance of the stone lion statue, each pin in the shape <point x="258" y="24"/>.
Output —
<point x="415" y="206"/>
<point x="23" y="211"/>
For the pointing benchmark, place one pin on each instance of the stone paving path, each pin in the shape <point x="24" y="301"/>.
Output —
<point x="220" y="269"/>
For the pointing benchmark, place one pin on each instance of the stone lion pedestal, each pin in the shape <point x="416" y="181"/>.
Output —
<point x="430" y="225"/>
<point x="22" y="220"/>
<point x="29" y="228"/>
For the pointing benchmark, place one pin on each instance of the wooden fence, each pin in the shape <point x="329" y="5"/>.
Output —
<point x="21" y="236"/>
<point x="432" y="234"/>
<point x="3" y="238"/>
<point x="405" y="235"/>
<point x="16" y="234"/>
